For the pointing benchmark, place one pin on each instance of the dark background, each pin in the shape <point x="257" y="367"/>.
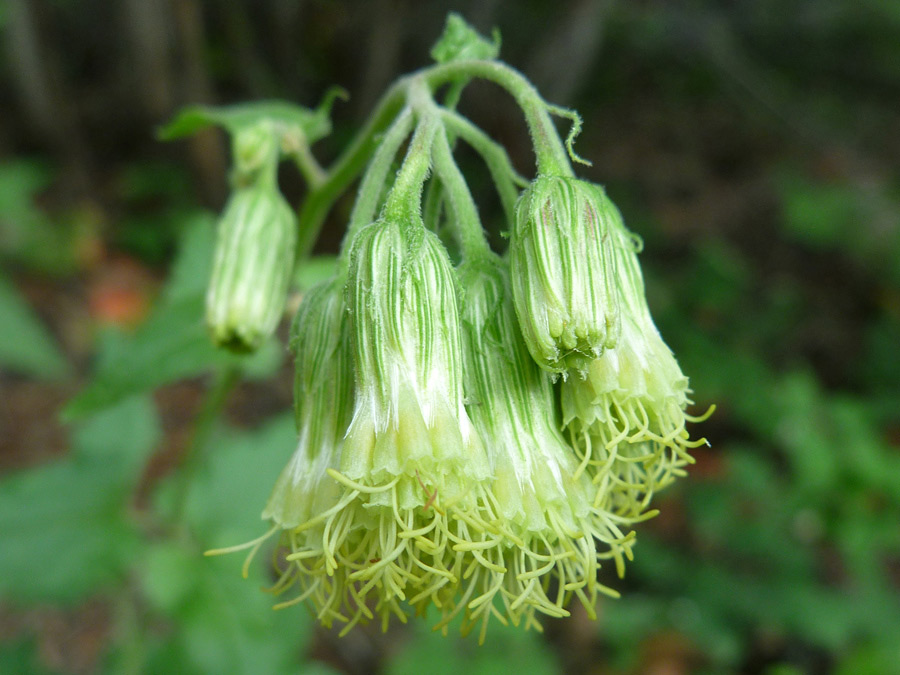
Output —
<point x="753" y="144"/>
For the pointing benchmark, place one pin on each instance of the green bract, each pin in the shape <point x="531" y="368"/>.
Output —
<point x="253" y="261"/>
<point x="460" y="42"/>
<point x="564" y="273"/>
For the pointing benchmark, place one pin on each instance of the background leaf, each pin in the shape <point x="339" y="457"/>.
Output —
<point x="26" y="346"/>
<point x="66" y="529"/>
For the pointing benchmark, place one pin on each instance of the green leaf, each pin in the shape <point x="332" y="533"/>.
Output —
<point x="315" y="270"/>
<point x="25" y="344"/>
<point x="193" y="266"/>
<point x="171" y="345"/>
<point x="856" y="219"/>
<point x="286" y="118"/>
<point x="222" y="622"/>
<point x="125" y="435"/>
<point x="21" y="656"/>
<point x="227" y="498"/>
<point x="66" y="531"/>
<point x="27" y="234"/>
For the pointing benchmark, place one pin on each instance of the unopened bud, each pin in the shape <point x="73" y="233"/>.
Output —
<point x="252" y="267"/>
<point x="564" y="273"/>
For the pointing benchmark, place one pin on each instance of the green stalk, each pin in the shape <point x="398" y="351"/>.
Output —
<point x="466" y="223"/>
<point x="307" y="164"/>
<point x="346" y="168"/>
<point x="213" y="405"/>
<point x="552" y="157"/>
<point x="494" y="155"/>
<point x="404" y="200"/>
<point x="372" y="186"/>
<point x="551" y="154"/>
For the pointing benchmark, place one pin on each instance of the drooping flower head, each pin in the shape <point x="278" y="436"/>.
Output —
<point x="629" y="407"/>
<point x="323" y="400"/>
<point x="409" y="414"/>
<point x="553" y="529"/>
<point x="252" y="267"/>
<point x="564" y="272"/>
<point x="409" y="459"/>
<point x="306" y="497"/>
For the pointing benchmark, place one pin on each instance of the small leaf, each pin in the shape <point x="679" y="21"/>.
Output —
<point x="284" y="117"/>
<point x="460" y="42"/>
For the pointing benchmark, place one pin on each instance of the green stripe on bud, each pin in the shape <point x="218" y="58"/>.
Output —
<point x="409" y="412"/>
<point x="563" y="272"/>
<point x="252" y="266"/>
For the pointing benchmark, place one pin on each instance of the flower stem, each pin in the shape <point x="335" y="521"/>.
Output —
<point x="346" y="168"/>
<point x="212" y="407"/>
<point x="306" y="163"/>
<point x="404" y="200"/>
<point x="373" y="181"/>
<point x="502" y="172"/>
<point x="552" y="157"/>
<point x="466" y="223"/>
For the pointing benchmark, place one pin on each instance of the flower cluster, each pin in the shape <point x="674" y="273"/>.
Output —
<point x="478" y="433"/>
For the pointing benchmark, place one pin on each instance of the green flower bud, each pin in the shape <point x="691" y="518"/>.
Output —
<point x="564" y="273"/>
<point x="629" y="407"/>
<point x="252" y="266"/>
<point x="551" y="516"/>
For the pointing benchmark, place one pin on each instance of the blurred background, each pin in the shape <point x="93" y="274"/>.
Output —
<point x="754" y="144"/>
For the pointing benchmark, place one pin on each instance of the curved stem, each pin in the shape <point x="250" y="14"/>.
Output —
<point x="306" y="163"/>
<point x="370" y="190"/>
<point x="346" y="168"/>
<point x="552" y="158"/>
<point x="466" y="223"/>
<point x="213" y="404"/>
<point x="404" y="200"/>
<point x="494" y="155"/>
<point x="550" y="152"/>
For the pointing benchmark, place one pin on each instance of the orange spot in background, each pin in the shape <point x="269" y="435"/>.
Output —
<point x="119" y="292"/>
